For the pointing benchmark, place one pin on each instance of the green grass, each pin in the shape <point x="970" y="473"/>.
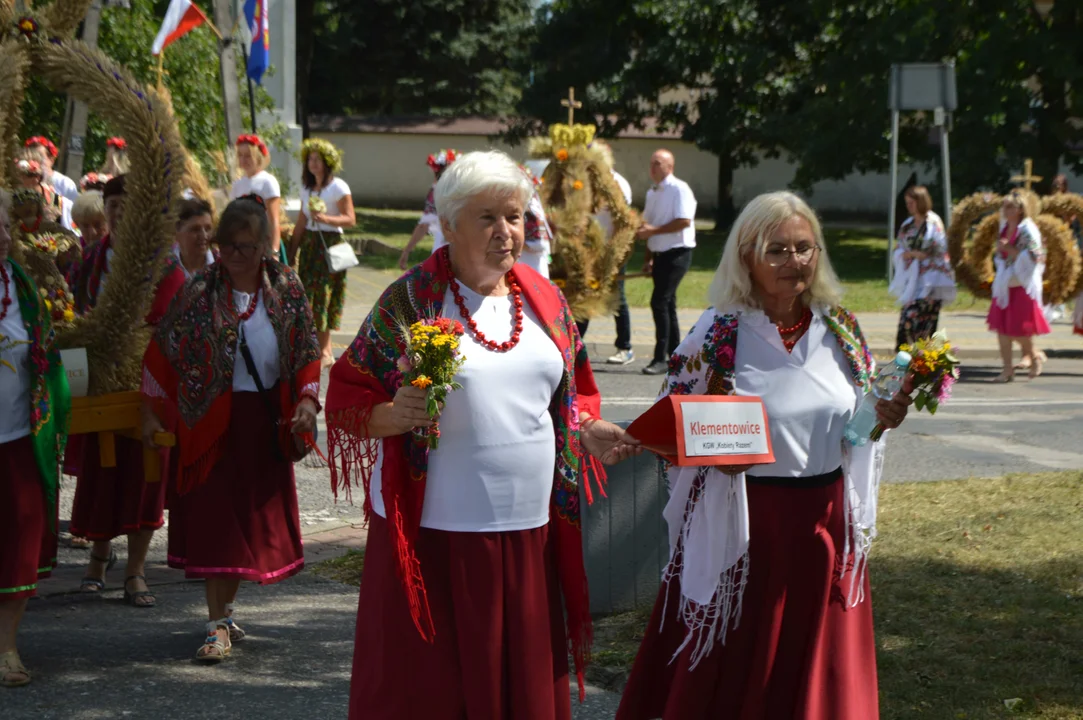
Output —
<point x="345" y="569"/>
<point x="977" y="589"/>
<point x="859" y="257"/>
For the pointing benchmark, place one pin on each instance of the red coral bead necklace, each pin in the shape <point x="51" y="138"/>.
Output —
<point x="797" y="330"/>
<point x="517" y="328"/>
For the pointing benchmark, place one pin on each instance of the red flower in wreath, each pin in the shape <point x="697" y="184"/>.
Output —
<point x="28" y="26"/>
<point x="253" y="140"/>
<point x="118" y="143"/>
<point x="41" y="139"/>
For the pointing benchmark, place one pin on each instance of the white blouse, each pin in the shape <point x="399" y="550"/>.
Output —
<point x="188" y="275"/>
<point x="493" y="471"/>
<point x="262" y="343"/>
<point x="335" y="191"/>
<point x="262" y="183"/>
<point x="808" y="394"/>
<point x="14" y="383"/>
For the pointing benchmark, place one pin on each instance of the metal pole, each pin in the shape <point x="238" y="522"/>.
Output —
<point x="894" y="190"/>
<point x="251" y="93"/>
<point x="76" y="143"/>
<point x="945" y="162"/>
<point x="231" y="99"/>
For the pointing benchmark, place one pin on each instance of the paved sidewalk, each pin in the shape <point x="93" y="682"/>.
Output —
<point x="94" y="658"/>
<point x="966" y="328"/>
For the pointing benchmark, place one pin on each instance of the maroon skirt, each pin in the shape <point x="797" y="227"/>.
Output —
<point x="500" y="649"/>
<point x="798" y="653"/>
<point x="243" y="522"/>
<point x="29" y="545"/>
<point x="110" y="502"/>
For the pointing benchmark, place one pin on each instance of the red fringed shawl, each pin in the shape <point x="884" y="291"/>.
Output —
<point x="188" y="368"/>
<point x="366" y="375"/>
<point x="86" y="281"/>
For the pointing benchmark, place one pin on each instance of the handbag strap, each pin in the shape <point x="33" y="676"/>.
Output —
<point x="250" y="365"/>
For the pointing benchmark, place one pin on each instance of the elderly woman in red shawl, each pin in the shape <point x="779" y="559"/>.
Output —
<point x="114" y="501"/>
<point x="234" y="369"/>
<point x="474" y="552"/>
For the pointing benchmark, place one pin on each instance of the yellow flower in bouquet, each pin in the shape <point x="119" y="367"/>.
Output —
<point x="316" y="204"/>
<point x="430" y="362"/>
<point x="934" y="368"/>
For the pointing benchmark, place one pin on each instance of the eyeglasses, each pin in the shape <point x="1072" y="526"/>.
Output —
<point x="245" y="251"/>
<point x="779" y="256"/>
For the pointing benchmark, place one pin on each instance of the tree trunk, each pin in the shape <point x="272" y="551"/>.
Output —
<point x="726" y="211"/>
<point x="305" y="11"/>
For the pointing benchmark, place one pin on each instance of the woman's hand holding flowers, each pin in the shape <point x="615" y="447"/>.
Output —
<point x="891" y="413"/>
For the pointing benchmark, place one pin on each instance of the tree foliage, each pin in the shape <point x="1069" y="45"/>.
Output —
<point x="394" y="57"/>
<point x="810" y="80"/>
<point x="191" y="74"/>
<point x="718" y="74"/>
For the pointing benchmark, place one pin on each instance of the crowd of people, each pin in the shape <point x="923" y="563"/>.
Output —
<point x="474" y="590"/>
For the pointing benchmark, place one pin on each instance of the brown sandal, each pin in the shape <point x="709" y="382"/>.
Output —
<point x="11" y="664"/>
<point x="213" y="650"/>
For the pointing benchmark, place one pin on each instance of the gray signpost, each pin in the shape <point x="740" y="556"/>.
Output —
<point x="926" y="87"/>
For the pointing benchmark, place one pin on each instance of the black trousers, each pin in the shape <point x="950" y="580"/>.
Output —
<point x="623" y="318"/>
<point x="669" y="269"/>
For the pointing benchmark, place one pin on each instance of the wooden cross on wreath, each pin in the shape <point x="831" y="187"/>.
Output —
<point x="1027" y="178"/>
<point x="572" y="105"/>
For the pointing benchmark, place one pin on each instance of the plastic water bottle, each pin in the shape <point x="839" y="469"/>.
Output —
<point x="886" y="385"/>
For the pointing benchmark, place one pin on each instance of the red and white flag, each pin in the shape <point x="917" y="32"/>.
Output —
<point x="182" y="16"/>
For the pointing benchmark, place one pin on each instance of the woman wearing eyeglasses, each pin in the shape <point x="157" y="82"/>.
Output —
<point x="234" y="371"/>
<point x="765" y="610"/>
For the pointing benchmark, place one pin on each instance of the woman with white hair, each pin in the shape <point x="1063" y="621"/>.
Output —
<point x="1016" y="313"/>
<point x="472" y="544"/>
<point x="764" y="611"/>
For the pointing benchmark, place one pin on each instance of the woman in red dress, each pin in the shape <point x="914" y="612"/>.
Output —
<point x="110" y="502"/>
<point x="474" y="551"/>
<point x="34" y="405"/>
<point x="234" y="370"/>
<point x="765" y="608"/>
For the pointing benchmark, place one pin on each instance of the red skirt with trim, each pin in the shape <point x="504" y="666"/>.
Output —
<point x="243" y="522"/>
<point x="798" y="653"/>
<point x="110" y="502"/>
<point x="29" y="546"/>
<point x="500" y="650"/>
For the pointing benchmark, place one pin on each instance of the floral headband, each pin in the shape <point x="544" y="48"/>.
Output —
<point x="254" y="141"/>
<point x="45" y="143"/>
<point x="28" y="167"/>
<point x="118" y="143"/>
<point x="442" y="159"/>
<point x="533" y="178"/>
<point x="94" y="181"/>
<point x="332" y="156"/>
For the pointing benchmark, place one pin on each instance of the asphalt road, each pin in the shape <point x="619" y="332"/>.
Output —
<point x="985" y="430"/>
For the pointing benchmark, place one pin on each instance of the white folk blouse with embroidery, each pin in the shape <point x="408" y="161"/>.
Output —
<point x="262" y="343"/>
<point x="808" y="394"/>
<point x="493" y="471"/>
<point x="14" y="380"/>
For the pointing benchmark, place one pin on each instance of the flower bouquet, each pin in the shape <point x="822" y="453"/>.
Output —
<point x="430" y="362"/>
<point x="934" y="369"/>
<point x="316" y="205"/>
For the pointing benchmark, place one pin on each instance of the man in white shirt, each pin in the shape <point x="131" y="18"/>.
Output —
<point x="669" y="229"/>
<point x="624" y="354"/>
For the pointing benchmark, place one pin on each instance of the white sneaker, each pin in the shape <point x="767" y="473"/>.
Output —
<point x="623" y="357"/>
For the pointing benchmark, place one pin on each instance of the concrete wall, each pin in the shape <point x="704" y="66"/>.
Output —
<point x="388" y="169"/>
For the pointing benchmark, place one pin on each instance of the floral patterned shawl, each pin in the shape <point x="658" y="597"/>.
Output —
<point x="366" y="375"/>
<point x="188" y="368"/>
<point x="707" y="513"/>
<point x="50" y="398"/>
<point x="931" y="278"/>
